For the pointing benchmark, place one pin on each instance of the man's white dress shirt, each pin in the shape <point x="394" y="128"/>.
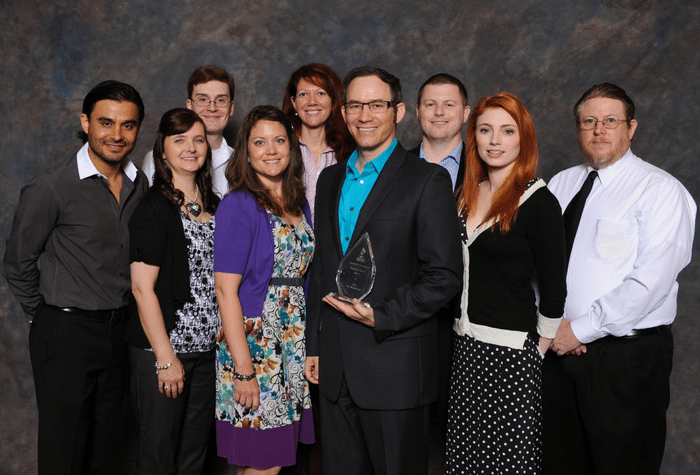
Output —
<point x="635" y="236"/>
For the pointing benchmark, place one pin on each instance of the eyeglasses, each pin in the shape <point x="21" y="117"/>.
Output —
<point x="589" y="123"/>
<point x="375" y="107"/>
<point x="203" y="101"/>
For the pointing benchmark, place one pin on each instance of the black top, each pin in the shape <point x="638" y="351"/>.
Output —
<point x="501" y="268"/>
<point x="158" y="239"/>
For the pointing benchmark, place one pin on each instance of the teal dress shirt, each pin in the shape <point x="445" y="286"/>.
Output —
<point x="356" y="188"/>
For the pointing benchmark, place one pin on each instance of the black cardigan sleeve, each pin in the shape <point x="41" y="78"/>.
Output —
<point x="157" y="238"/>
<point x="549" y="251"/>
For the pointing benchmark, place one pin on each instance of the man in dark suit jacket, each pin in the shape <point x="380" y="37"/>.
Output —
<point x="443" y="109"/>
<point x="377" y="360"/>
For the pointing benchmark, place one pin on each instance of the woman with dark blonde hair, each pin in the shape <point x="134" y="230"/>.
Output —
<point x="174" y="316"/>
<point x="512" y="235"/>
<point x="262" y="249"/>
<point x="313" y="101"/>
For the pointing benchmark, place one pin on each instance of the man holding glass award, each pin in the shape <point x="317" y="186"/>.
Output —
<point x="388" y="256"/>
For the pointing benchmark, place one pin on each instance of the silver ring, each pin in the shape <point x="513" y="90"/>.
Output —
<point x="167" y="388"/>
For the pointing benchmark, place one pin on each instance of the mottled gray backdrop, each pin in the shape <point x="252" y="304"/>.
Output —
<point x="546" y="51"/>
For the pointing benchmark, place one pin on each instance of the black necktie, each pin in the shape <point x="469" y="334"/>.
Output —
<point x="573" y="212"/>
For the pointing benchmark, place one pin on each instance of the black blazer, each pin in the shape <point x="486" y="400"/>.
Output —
<point x="411" y="218"/>
<point x="460" y="171"/>
<point x="452" y="309"/>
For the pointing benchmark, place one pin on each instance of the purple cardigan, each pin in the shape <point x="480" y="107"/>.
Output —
<point x="243" y="244"/>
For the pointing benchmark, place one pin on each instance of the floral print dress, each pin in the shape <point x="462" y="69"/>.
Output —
<point x="276" y="340"/>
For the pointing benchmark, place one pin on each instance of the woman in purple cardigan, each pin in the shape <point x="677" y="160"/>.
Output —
<point x="263" y="245"/>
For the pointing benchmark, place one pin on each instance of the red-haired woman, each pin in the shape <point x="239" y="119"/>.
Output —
<point x="313" y="100"/>
<point x="514" y="234"/>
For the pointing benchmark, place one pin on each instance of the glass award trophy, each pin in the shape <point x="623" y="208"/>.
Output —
<point x="355" y="276"/>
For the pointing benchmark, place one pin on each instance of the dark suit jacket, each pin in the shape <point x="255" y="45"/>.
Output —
<point x="462" y="165"/>
<point x="411" y="218"/>
<point x="452" y="309"/>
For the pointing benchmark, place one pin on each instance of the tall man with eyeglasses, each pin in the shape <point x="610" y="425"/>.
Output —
<point x="210" y="93"/>
<point x="606" y="380"/>
<point x="376" y="361"/>
<point x="67" y="263"/>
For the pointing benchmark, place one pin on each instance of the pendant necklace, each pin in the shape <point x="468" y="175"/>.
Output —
<point x="192" y="206"/>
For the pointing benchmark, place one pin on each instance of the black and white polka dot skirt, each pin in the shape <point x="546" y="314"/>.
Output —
<point x="495" y="410"/>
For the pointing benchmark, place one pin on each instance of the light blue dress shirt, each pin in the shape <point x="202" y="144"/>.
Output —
<point x="450" y="162"/>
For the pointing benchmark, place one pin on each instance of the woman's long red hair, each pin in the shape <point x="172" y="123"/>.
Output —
<point x="504" y="206"/>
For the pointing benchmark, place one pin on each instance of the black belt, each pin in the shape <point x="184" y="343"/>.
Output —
<point x="105" y="315"/>
<point x="290" y="281"/>
<point x="660" y="330"/>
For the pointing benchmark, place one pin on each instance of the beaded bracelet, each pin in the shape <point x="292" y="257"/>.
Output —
<point x="161" y="368"/>
<point x="243" y="377"/>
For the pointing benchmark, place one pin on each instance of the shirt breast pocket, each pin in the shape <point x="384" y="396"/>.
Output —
<point x="615" y="239"/>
